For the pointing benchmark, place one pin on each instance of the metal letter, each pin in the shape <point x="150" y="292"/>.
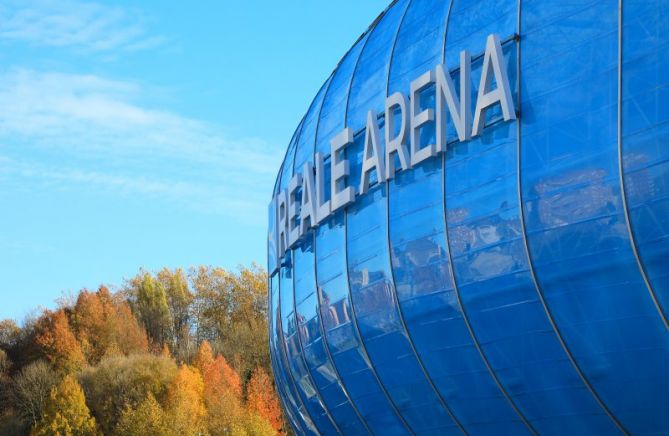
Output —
<point x="322" y="206"/>
<point x="371" y="155"/>
<point x="339" y="170"/>
<point x="308" y="205"/>
<point x="282" y="223"/>
<point x="293" y="209"/>
<point x="502" y="94"/>
<point x="272" y="238"/>
<point x="397" y="144"/>
<point x="459" y="109"/>
<point x="420" y="118"/>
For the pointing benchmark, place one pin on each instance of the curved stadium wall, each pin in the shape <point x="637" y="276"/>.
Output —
<point x="516" y="281"/>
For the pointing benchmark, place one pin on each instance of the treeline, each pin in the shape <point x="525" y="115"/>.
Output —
<point x="171" y="353"/>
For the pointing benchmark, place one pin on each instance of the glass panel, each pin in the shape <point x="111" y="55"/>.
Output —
<point x="331" y="119"/>
<point x="370" y="279"/>
<point x="341" y="334"/>
<point x="645" y="136"/>
<point x="370" y="79"/>
<point x="290" y="402"/>
<point x="316" y="355"/>
<point x="296" y="363"/>
<point x="287" y="167"/>
<point x="489" y="258"/>
<point x="572" y="202"/>
<point x="305" y="144"/>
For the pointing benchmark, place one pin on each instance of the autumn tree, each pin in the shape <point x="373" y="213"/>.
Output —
<point x="185" y="402"/>
<point x="261" y="398"/>
<point x="5" y="363"/>
<point x="150" y="303"/>
<point x="5" y="382"/>
<point x="179" y="299"/>
<point x="31" y="390"/>
<point x="230" y="310"/>
<point x="66" y="412"/>
<point x="222" y="391"/>
<point x="102" y="339"/>
<point x="204" y="357"/>
<point x="59" y="343"/>
<point x="9" y="333"/>
<point x="20" y="343"/>
<point x="118" y="382"/>
<point x="105" y="326"/>
<point x="147" y="419"/>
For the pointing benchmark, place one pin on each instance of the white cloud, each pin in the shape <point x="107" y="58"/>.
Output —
<point x="67" y="23"/>
<point x="69" y="130"/>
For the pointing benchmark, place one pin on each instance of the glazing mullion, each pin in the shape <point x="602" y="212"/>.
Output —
<point x="540" y="294"/>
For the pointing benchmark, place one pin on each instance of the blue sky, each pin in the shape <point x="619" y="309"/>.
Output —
<point x="149" y="135"/>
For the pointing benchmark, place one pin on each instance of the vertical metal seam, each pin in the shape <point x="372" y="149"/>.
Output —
<point x="456" y="290"/>
<point x="294" y="140"/>
<point x="326" y="346"/>
<point x="294" y="421"/>
<point x="301" y="353"/>
<point x="354" y="319"/>
<point x="465" y="317"/>
<point x="298" y="133"/>
<point x="277" y="182"/>
<point x="328" y="353"/>
<point x="321" y="327"/>
<point x="275" y="367"/>
<point x="357" y="61"/>
<point x="400" y="311"/>
<point x="295" y="425"/>
<point x="284" y="354"/>
<point x="530" y="264"/>
<point x="318" y="125"/>
<point x="324" y="87"/>
<point x="301" y="346"/>
<point x="621" y="169"/>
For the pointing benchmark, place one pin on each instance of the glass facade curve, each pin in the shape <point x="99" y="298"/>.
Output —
<point x="470" y="230"/>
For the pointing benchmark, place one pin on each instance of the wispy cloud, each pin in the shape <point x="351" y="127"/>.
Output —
<point x="104" y="135"/>
<point x="89" y="27"/>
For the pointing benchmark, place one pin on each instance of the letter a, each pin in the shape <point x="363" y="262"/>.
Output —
<point x="502" y="94"/>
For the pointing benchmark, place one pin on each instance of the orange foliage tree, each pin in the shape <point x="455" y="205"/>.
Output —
<point x="222" y="393"/>
<point x="59" y="343"/>
<point x="261" y="398"/>
<point x="106" y="327"/>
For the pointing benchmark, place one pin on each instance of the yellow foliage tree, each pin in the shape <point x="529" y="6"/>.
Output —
<point x="148" y="419"/>
<point x="185" y="402"/>
<point x="66" y="412"/>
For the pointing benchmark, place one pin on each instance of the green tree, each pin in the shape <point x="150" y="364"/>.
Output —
<point x="66" y="412"/>
<point x="150" y="303"/>
<point x="179" y="299"/>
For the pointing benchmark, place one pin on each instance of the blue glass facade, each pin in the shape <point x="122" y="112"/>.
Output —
<point x="516" y="283"/>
